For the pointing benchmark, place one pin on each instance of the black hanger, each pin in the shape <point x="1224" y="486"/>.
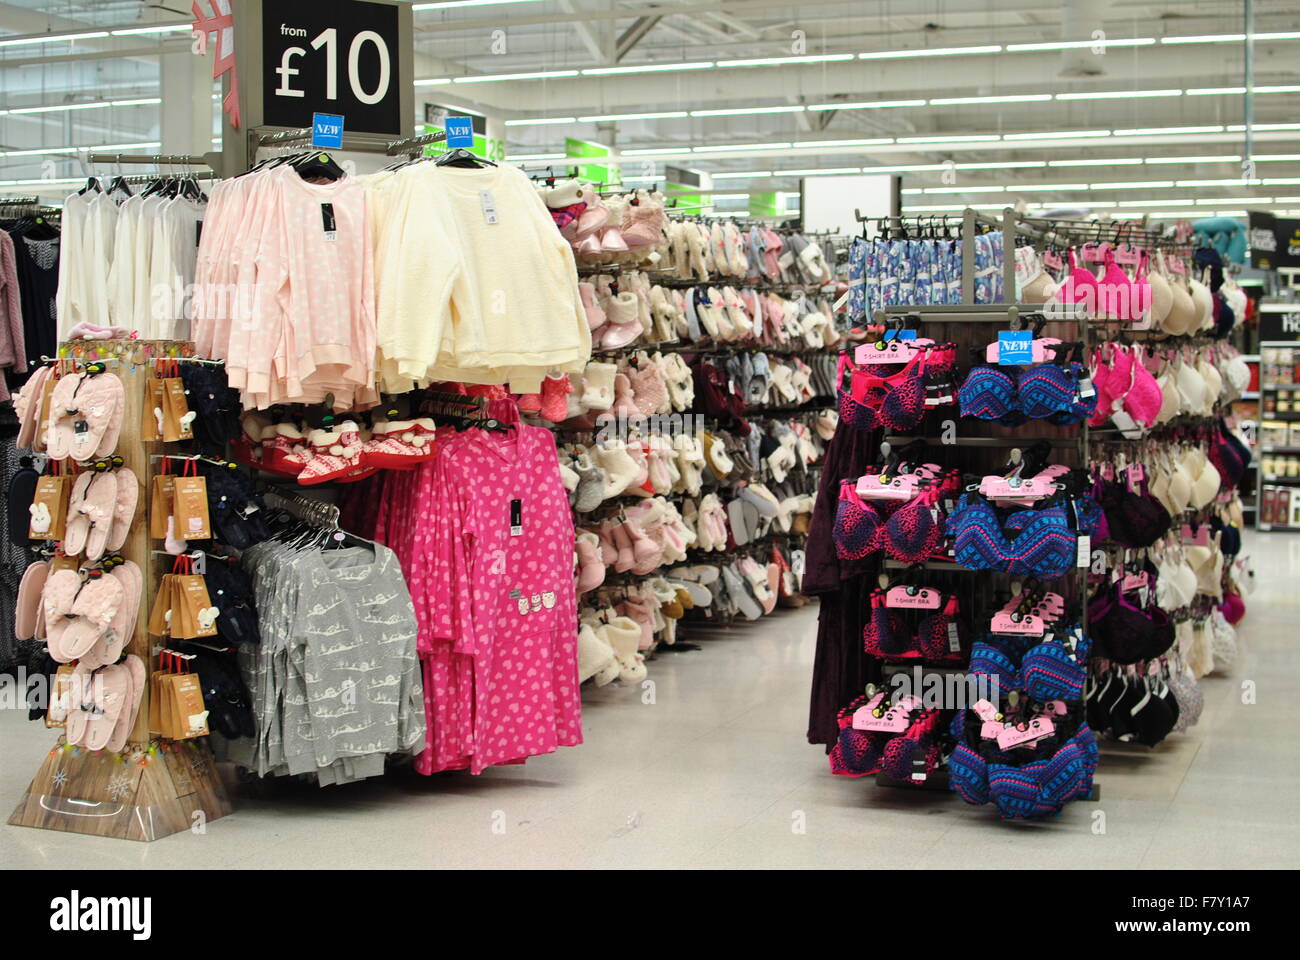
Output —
<point x="318" y="164"/>
<point x="92" y="185"/>
<point x="461" y="157"/>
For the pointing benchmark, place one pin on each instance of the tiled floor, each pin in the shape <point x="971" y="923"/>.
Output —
<point x="714" y="772"/>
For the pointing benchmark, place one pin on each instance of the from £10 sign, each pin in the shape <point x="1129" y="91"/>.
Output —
<point x="1015" y="347"/>
<point x="334" y="55"/>
<point x="327" y="131"/>
<point x="460" y="132"/>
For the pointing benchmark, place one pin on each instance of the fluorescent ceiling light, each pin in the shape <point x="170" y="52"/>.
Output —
<point x="1285" y="35"/>
<point x="1220" y="159"/>
<point x="54" y="38"/>
<point x="1214" y="91"/>
<point x="867" y="105"/>
<point x="641" y="179"/>
<point x="163" y="28"/>
<point x="1273" y="88"/>
<point x="965" y="189"/>
<point x="534" y="75"/>
<point x="1046" y="187"/>
<point x="540" y="121"/>
<point x="1002" y="165"/>
<point x="775" y="61"/>
<point x="453" y="4"/>
<point x="929" y="52"/>
<point x="1181" y="202"/>
<point x="949" y="138"/>
<point x="609" y="117"/>
<point x="745" y="111"/>
<point x="1118" y="94"/>
<point x="1096" y="162"/>
<point x="821" y="172"/>
<point x="907" y="168"/>
<point x="1275" y="181"/>
<point x="864" y="142"/>
<point x="741" y="174"/>
<point x="1206" y="38"/>
<point x="92" y="105"/>
<point x="1057" y="135"/>
<point x="1079" y="44"/>
<point x="648" y="68"/>
<point x="88" y="147"/>
<point x="719" y="148"/>
<point x="1219" y="183"/>
<point x="40" y="181"/>
<point x="652" y="152"/>
<point x="432" y="82"/>
<point x="1009" y="98"/>
<point x="1271" y="157"/>
<point x="1161" y="131"/>
<point x="729" y="196"/>
<point x="520" y="157"/>
<point x="1134" y="185"/>
<point x="1240" y="128"/>
<point x="1231" y="213"/>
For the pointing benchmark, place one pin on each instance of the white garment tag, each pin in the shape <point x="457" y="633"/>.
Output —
<point x="798" y="559"/>
<point x="1084" y="556"/>
<point x="489" y="206"/>
<point x="954" y="643"/>
<point x="516" y="518"/>
<point x="785" y="260"/>
<point x="1086" y="388"/>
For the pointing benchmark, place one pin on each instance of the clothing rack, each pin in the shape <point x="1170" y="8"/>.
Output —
<point x="412" y="145"/>
<point x="162" y="159"/>
<point x="308" y="509"/>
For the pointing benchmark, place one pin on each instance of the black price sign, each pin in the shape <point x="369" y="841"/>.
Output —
<point x="331" y="56"/>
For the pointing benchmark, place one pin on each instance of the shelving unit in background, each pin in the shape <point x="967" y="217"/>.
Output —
<point x="1277" y="447"/>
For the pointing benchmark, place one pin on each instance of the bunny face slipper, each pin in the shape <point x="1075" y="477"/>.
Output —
<point x="90" y="514"/>
<point x="85" y="413"/>
<point x="128" y="498"/>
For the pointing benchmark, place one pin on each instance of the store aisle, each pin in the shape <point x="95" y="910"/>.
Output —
<point x="710" y="769"/>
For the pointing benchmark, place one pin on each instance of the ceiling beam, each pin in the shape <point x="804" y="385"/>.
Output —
<point x="633" y="35"/>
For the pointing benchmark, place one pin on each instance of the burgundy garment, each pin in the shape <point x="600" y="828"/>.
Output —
<point x="716" y="396"/>
<point x="841" y="668"/>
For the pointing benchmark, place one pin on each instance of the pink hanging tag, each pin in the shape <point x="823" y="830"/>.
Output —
<point x="1129" y="256"/>
<point x="1013" y="488"/>
<point x="1092" y="252"/>
<point x="864" y="712"/>
<point x="1029" y="624"/>
<point x="1027" y="732"/>
<point x="895" y="351"/>
<point x="1042" y="348"/>
<point x="1135" y="581"/>
<point x="1056" y="707"/>
<point x="1176" y="265"/>
<point x="894" y="719"/>
<point x="880" y="486"/>
<point x="1053" y="260"/>
<point x="913" y="598"/>
<point x="1201" y="538"/>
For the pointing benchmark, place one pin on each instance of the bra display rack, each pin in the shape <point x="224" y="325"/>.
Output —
<point x="1066" y="522"/>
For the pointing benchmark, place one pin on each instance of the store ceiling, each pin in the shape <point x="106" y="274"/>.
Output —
<point x="1182" y="99"/>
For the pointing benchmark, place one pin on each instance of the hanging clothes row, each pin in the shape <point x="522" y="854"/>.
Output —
<point x="128" y="258"/>
<point x="311" y="283"/>
<point x="491" y="575"/>
<point x="30" y="242"/>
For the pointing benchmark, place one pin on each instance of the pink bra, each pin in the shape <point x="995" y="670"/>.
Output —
<point x="1114" y="296"/>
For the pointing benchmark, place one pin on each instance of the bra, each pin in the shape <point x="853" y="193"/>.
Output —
<point x="912" y="531"/>
<point x="1031" y="790"/>
<point x="1043" y="545"/>
<point x="938" y="634"/>
<point x="1132" y="519"/>
<point x="1175" y="583"/>
<point x="1123" y="383"/>
<point x="1125" y="633"/>
<point x="896" y="402"/>
<point x="1113" y="296"/>
<point x="1182" y="315"/>
<point x="1047" y="391"/>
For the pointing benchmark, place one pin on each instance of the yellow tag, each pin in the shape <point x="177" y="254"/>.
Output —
<point x="324" y="158"/>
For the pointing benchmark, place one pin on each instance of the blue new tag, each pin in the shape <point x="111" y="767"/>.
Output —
<point x="1015" y="347"/>
<point x="327" y="130"/>
<point x="899" y="335"/>
<point x="460" y="132"/>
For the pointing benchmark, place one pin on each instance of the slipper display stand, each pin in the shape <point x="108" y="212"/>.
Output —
<point x="154" y="787"/>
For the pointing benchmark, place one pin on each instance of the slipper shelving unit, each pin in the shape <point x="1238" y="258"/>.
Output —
<point x="155" y="787"/>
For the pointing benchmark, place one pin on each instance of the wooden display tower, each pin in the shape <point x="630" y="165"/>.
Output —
<point x="158" y="787"/>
